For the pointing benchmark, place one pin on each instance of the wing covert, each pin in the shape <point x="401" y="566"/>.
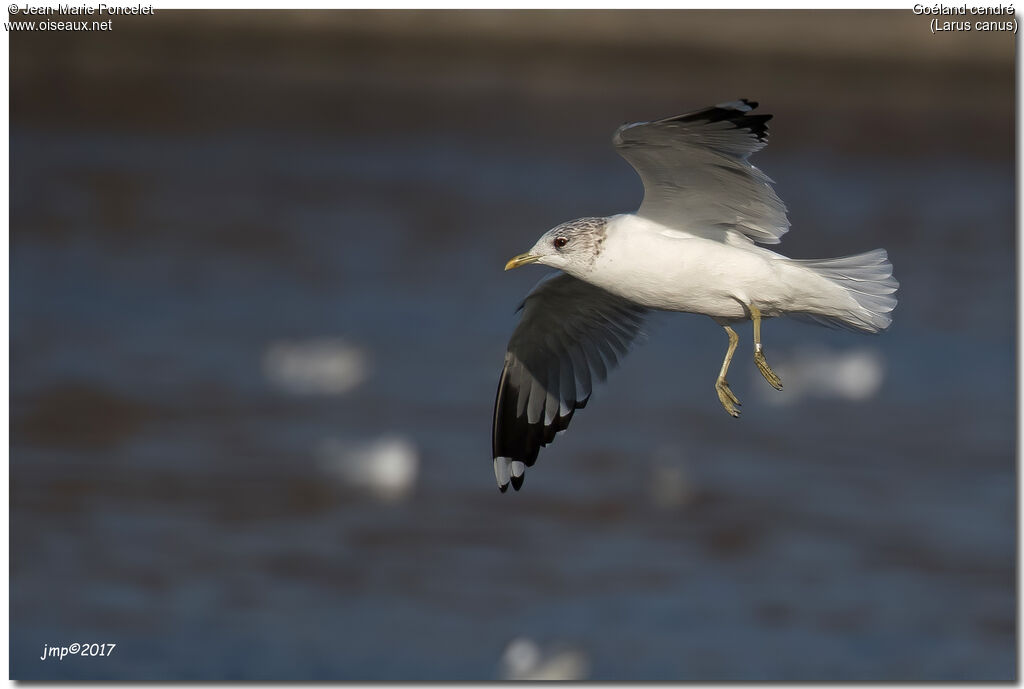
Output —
<point x="697" y="176"/>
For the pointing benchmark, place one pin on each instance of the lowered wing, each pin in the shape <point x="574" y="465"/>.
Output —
<point x="570" y="334"/>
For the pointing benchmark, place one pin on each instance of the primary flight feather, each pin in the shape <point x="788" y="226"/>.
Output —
<point x="692" y="246"/>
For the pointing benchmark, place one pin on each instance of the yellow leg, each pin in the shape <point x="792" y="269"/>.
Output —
<point x="762" y="365"/>
<point x="725" y="395"/>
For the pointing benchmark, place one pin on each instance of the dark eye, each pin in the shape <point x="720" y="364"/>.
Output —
<point x="560" y="242"/>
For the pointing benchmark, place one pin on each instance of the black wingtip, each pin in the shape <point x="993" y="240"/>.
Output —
<point x="740" y="117"/>
<point x="556" y="353"/>
<point x="503" y="488"/>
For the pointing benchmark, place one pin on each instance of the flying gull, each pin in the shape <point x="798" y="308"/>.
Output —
<point x="691" y="247"/>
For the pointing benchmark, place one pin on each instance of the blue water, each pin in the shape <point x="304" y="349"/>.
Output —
<point x="166" y="495"/>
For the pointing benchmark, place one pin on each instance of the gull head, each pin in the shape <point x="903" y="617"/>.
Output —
<point x="572" y="246"/>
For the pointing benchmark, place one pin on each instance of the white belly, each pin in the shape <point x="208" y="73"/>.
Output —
<point x="665" y="269"/>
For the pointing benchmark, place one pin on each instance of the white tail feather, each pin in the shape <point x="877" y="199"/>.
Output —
<point x="867" y="279"/>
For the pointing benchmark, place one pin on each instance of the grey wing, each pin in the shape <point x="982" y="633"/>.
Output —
<point x="697" y="177"/>
<point x="571" y="333"/>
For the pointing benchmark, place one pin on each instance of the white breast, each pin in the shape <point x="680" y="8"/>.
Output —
<point x="663" y="268"/>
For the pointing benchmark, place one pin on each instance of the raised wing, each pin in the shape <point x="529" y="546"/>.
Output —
<point x="696" y="175"/>
<point x="570" y="334"/>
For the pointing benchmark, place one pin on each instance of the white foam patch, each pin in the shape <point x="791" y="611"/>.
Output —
<point x="386" y="467"/>
<point x="524" y="659"/>
<point x="322" y="366"/>
<point x="821" y="373"/>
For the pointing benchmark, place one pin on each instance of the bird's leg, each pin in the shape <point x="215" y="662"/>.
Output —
<point x="762" y="365"/>
<point x="725" y="395"/>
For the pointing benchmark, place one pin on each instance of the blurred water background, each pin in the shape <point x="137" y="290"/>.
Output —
<point x="258" y="313"/>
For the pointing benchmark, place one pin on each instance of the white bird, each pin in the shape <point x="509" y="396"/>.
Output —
<point x="691" y="247"/>
<point x="525" y="660"/>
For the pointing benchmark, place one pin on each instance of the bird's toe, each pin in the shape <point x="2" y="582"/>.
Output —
<point x="727" y="398"/>
<point x="766" y="371"/>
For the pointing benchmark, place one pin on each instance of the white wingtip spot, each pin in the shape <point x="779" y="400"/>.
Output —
<point x="517" y="468"/>
<point x="502" y="471"/>
<point x="735" y="105"/>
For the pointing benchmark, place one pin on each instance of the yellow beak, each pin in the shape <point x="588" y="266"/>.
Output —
<point x="521" y="260"/>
